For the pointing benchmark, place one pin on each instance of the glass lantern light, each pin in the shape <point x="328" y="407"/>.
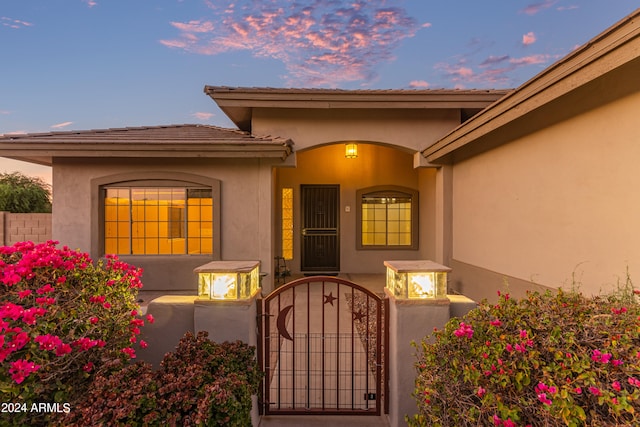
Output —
<point x="351" y="150"/>
<point x="417" y="279"/>
<point x="228" y="280"/>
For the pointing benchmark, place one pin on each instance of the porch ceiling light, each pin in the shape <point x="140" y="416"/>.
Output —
<point x="228" y="280"/>
<point x="351" y="150"/>
<point x="416" y="279"/>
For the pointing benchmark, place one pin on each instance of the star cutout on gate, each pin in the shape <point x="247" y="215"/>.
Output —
<point x="358" y="315"/>
<point x="329" y="298"/>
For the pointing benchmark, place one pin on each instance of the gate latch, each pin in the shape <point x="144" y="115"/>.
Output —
<point x="369" y="396"/>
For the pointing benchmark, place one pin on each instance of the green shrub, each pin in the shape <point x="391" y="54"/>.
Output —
<point x="20" y="193"/>
<point x="546" y="360"/>
<point x="201" y="383"/>
<point x="61" y="317"/>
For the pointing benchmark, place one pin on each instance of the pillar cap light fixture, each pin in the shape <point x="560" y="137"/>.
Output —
<point x="418" y="280"/>
<point x="351" y="150"/>
<point x="228" y="280"/>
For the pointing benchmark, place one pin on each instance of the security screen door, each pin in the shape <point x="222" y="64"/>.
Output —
<point x="320" y="228"/>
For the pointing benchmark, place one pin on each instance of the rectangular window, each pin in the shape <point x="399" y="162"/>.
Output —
<point x="158" y="221"/>
<point x="387" y="218"/>
<point x="287" y="223"/>
<point x="386" y="221"/>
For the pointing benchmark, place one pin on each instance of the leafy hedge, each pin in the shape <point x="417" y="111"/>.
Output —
<point x="201" y="383"/>
<point x="545" y="360"/>
<point x="61" y="317"/>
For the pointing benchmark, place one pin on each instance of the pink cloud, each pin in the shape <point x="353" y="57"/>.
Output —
<point x="529" y="38"/>
<point x="202" y="115"/>
<point x="194" y="26"/>
<point x="321" y="42"/>
<point x="178" y="44"/>
<point x="457" y="71"/>
<point x="5" y="112"/>
<point x="494" y="70"/>
<point x="534" y="8"/>
<point x="14" y="23"/>
<point x="419" y="84"/>
<point x="61" y="125"/>
<point x="90" y="3"/>
<point x="530" y="60"/>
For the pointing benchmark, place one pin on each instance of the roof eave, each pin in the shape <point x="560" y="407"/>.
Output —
<point x="43" y="154"/>
<point x="238" y="103"/>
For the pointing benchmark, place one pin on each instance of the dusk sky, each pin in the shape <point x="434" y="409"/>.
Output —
<point x="95" y="64"/>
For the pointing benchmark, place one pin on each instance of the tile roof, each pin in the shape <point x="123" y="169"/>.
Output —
<point x="239" y="103"/>
<point x="273" y="90"/>
<point x="186" y="133"/>
<point x="189" y="140"/>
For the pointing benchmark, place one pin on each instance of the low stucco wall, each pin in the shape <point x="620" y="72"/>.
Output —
<point x="176" y="315"/>
<point x="20" y="227"/>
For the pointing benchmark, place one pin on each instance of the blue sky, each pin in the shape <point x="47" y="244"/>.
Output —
<point x="94" y="64"/>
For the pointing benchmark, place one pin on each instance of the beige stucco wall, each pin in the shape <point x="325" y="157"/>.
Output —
<point x="246" y="220"/>
<point x="375" y="165"/>
<point x="556" y="202"/>
<point x="413" y="129"/>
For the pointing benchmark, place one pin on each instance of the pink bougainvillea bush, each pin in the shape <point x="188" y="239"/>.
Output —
<point x="61" y="317"/>
<point x="549" y="359"/>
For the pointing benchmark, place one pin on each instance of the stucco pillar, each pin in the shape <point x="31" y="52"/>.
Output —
<point x="444" y="215"/>
<point x="173" y="316"/>
<point x="266" y="228"/>
<point x="409" y="321"/>
<point x="227" y="320"/>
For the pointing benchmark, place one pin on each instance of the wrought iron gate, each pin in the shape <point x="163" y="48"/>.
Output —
<point x="322" y="348"/>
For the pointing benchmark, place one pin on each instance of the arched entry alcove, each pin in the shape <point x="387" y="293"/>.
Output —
<point x="322" y="196"/>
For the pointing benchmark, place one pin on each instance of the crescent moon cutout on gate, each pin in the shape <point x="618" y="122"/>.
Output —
<point x="282" y="322"/>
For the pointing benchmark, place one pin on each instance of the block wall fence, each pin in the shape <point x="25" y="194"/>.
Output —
<point x="20" y="227"/>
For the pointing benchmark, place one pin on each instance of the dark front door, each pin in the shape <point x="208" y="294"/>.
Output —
<point x="320" y="238"/>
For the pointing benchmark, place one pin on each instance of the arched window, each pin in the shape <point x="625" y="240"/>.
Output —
<point x="387" y="218"/>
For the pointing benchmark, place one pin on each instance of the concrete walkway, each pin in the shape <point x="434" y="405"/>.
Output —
<point x="323" y="421"/>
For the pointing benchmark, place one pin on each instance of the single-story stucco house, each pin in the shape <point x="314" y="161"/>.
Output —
<point x="531" y="184"/>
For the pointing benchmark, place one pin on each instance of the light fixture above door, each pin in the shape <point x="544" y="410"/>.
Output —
<point x="351" y="150"/>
